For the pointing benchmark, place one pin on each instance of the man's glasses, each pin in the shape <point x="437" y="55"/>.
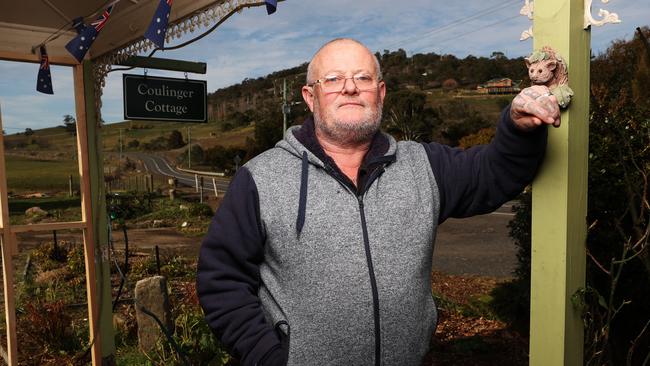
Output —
<point x="336" y="83"/>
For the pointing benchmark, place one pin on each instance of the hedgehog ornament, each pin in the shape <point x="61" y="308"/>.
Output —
<point x="546" y="67"/>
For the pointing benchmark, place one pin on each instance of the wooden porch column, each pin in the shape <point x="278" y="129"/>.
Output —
<point x="93" y="206"/>
<point x="559" y="225"/>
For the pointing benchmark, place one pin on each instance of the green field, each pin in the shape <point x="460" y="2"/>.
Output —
<point x="24" y="174"/>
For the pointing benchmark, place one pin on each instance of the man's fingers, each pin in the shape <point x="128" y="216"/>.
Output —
<point x="535" y="106"/>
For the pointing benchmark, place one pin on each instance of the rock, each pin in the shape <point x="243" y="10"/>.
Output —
<point x="183" y="208"/>
<point x="185" y="224"/>
<point x="151" y="294"/>
<point x="35" y="211"/>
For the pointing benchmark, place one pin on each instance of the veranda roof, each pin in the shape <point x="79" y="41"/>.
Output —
<point x="26" y="24"/>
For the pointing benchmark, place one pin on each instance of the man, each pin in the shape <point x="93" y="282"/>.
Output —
<point x="320" y="253"/>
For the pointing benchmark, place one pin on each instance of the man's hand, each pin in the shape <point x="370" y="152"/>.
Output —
<point x="535" y="106"/>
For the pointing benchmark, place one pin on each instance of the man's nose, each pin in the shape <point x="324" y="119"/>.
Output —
<point x="349" y="87"/>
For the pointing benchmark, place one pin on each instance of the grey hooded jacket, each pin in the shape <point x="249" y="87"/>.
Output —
<point x="302" y="267"/>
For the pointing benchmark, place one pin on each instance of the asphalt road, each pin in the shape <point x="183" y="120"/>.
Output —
<point x="158" y="165"/>
<point x="478" y="245"/>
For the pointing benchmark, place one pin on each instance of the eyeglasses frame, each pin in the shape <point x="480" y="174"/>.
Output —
<point x="320" y="81"/>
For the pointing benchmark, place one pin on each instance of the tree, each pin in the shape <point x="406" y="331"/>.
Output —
<point x="29" y="131"/>
<point x="268" y="128"/>
<point x="133" y="144"/>
<point x="497" y="55"/>
<point x="70" y="124"/>
<point x="175" y="140"/>
<point x="408" y="117"/>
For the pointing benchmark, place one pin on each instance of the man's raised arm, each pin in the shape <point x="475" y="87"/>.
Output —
<point x="480" y="179"/>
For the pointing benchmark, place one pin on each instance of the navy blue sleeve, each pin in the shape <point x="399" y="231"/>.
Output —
<point x="480" y="179"/>
<point x="228" y="276"/>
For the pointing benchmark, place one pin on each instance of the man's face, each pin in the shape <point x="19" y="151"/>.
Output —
<point x="349" y="115"/>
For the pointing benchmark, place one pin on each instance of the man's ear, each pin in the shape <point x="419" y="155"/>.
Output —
<point x="308" y="96"/>
<point x="382" y="91"/>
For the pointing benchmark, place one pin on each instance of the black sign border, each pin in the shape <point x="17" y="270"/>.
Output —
<point x="205" y="93"/>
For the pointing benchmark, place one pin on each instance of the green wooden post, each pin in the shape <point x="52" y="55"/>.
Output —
<point x="559" y="225"/>
<point x="100" y="219"/>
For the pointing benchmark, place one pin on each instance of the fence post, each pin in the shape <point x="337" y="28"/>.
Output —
<point x="201" y="189"/>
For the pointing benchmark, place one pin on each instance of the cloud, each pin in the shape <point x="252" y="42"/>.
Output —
<point x="251" y="44"/>
<point x="22" y="106"/>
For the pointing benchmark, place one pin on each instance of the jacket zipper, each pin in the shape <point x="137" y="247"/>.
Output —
<point x="366" y="242"/>
<point x="373" y="283"/>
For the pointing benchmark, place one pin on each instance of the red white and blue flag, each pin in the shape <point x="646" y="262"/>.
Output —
<point x="80" y="45"/>
<point x="158" y="26"/>
<point x="271" y="6"/>
<point x="44" y="80"/>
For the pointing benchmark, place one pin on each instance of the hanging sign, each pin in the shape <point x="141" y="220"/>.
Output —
<point x="164" y="99"/>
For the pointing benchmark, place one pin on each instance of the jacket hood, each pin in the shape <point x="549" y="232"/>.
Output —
<point x="301" y="141"/>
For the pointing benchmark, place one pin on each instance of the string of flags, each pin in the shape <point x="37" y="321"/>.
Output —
<point x="158" y="26"/>
<point x="87" y="33"/>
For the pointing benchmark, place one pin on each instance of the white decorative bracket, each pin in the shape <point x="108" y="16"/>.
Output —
<point x="527" y="10"/>
<point x="606" y="16"/>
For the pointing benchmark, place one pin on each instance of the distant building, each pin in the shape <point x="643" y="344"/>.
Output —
<point x="500" y="86"/>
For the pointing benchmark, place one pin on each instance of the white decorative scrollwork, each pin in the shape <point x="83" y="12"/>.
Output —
<point x="527" y="10"/>
<point x="213" y="15"/>
<point x="606" y="16"/>
<point x="528" y="33"/>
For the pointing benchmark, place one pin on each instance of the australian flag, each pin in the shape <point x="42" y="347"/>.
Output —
<point x="44" y="81"/>
<point x="158" y="26"/>
<point x="271" y="6"/>
<point x="79" y="45"/>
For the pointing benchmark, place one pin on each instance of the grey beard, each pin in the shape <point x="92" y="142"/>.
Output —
<point x="349" y="133"/>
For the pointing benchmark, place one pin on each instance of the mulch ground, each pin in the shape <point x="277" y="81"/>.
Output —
<point x="472" y="341"/>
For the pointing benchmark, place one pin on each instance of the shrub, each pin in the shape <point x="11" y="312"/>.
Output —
<point x="50" y="324"/>
<point x="222" y="158"/>
<point x="133" y="144"/>
<point x="511" y="300"/>
<point x="481" y="137"/>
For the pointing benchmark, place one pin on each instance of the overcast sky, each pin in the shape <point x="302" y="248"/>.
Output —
<point x="253" y="44"/>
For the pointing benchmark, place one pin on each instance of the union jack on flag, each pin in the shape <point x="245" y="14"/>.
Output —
<point x="44" y="80"/>
<point x="79" y="45"/>
<point x="158" y="26"/>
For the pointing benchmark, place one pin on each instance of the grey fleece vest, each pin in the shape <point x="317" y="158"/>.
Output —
<point x="319" y="280"/>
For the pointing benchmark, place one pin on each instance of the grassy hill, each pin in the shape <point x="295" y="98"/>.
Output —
<point x="245" y="118"/>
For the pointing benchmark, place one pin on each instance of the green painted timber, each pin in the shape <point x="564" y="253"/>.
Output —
<point x="165" y="64"/>
<point x="99" y="218"/>
<point x="559" y="225"/>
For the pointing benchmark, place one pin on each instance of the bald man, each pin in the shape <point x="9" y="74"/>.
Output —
<point x="320" y="252"/>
